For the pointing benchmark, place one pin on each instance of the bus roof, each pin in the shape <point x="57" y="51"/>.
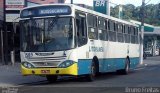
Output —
<point x="76" y="7"/>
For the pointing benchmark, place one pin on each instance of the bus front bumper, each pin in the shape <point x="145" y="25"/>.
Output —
<point x="71" y="70"/>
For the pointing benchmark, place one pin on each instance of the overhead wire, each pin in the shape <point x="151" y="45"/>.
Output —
<point x="147" y="2"/>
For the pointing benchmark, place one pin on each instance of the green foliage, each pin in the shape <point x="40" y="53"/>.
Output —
<point x="132" y="12"/>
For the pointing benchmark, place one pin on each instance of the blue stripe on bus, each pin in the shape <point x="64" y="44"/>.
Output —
<point x="105" y="65"/>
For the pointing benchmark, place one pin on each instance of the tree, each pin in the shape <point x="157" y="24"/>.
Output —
<point x="152" y="13"/>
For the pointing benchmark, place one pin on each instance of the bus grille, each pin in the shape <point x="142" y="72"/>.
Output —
<point x="46" y="61"/>
<point x="45" y="64"/>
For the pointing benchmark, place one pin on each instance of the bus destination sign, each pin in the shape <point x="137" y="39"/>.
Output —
<point x="45" y="11"/>
<point x="53" y="11"/>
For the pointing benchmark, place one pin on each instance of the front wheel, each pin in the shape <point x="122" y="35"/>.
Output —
<point x="51" y="78"/>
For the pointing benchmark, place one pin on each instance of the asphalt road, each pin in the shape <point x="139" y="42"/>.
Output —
<point x="146" y="75"/>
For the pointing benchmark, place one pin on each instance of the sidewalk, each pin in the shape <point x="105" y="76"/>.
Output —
<point x="11" y="76"/>
<point x="10" y="68"/>
<point x="150" y="61"/>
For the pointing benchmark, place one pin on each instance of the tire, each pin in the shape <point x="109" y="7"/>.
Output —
<point x="125" y="71"/>
<point x="91" y="77"/>
<point x="51" y="78"/>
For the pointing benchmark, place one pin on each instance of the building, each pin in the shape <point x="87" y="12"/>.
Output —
<point x="1" y="12"/>
<point x="42" y="1"/>
<point x="37" y="2"/>
<point x="151" y="43"/>
<point x="1" y="28"/>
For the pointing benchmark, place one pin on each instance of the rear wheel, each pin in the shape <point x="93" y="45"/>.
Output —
<point x="51" y="78"/>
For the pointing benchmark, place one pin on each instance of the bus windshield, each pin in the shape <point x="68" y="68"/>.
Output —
<point x="47" y="34"/>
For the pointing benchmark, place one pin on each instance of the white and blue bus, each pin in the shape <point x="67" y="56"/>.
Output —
<point x="65" y="39"/>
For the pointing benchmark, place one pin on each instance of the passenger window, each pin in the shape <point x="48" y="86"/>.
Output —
<point x="136" y="36"/>
<point x="92" y="27"/>
<point x="127" y="34"/>
<point x="81" y="28"/>
<point x="102" y="28"/>
<point x="133" y="35"/>
<point x="111" y="32"/>
<point x="120" y="37"/>
<point x="106" y="27"/>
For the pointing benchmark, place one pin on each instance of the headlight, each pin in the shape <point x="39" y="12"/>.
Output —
<point x="66" y="63"/>
<point x="27" y="65"/>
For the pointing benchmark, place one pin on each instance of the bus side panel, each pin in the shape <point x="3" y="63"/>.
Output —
<point x="134" y="62"/>
<point x="111" y="64"/>
<point x="84" y="66"/>
<point x="120" y="63"/>
<point x="102" y="65"/>
<point x="106" y="65"/>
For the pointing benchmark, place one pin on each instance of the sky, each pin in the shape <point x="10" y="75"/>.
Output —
<point x="134" y="2"/>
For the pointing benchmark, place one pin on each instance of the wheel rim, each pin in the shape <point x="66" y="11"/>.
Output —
<point x="127" y="66"/>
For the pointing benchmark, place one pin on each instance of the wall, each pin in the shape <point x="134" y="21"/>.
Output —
<point x="43" y="1"/>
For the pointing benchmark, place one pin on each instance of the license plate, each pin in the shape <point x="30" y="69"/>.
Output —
<point x="45" y="71"/>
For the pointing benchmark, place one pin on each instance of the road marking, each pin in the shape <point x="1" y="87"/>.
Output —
<point x="139" y="68"/>
<point x="146" y="64"/>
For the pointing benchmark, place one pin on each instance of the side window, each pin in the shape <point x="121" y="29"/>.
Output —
<point x="136" y="35"/>
<point x="120" y="33"/>
<point x="92" y="26"/>
<point x="127" y="34"/>
<point x="111" y="31"/>
<point x="115" y="26"/>
<point x="133" y="35"/>
<point x="109" y="25"/>
<point x="102" y="28"/>
<point x="81" y="28"/>
<point x="106" y="27"/>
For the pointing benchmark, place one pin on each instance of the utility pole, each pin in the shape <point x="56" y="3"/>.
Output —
<point x="120" y="14"/>
<point x="2" y="51"/>
<point x="5" y="35"/>
<point x="2" y="30"/>
<point x="71" y="1"/>
<point x="158" y="12"/>
<point x="13" y="32"/>
<point x="142" y="31"/>
<point x="6" y="44"/>
<point x="108" y="7"/>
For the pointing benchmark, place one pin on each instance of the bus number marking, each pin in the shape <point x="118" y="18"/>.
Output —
<point x="28" y="55"/>
<point x="96" y="49"/>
